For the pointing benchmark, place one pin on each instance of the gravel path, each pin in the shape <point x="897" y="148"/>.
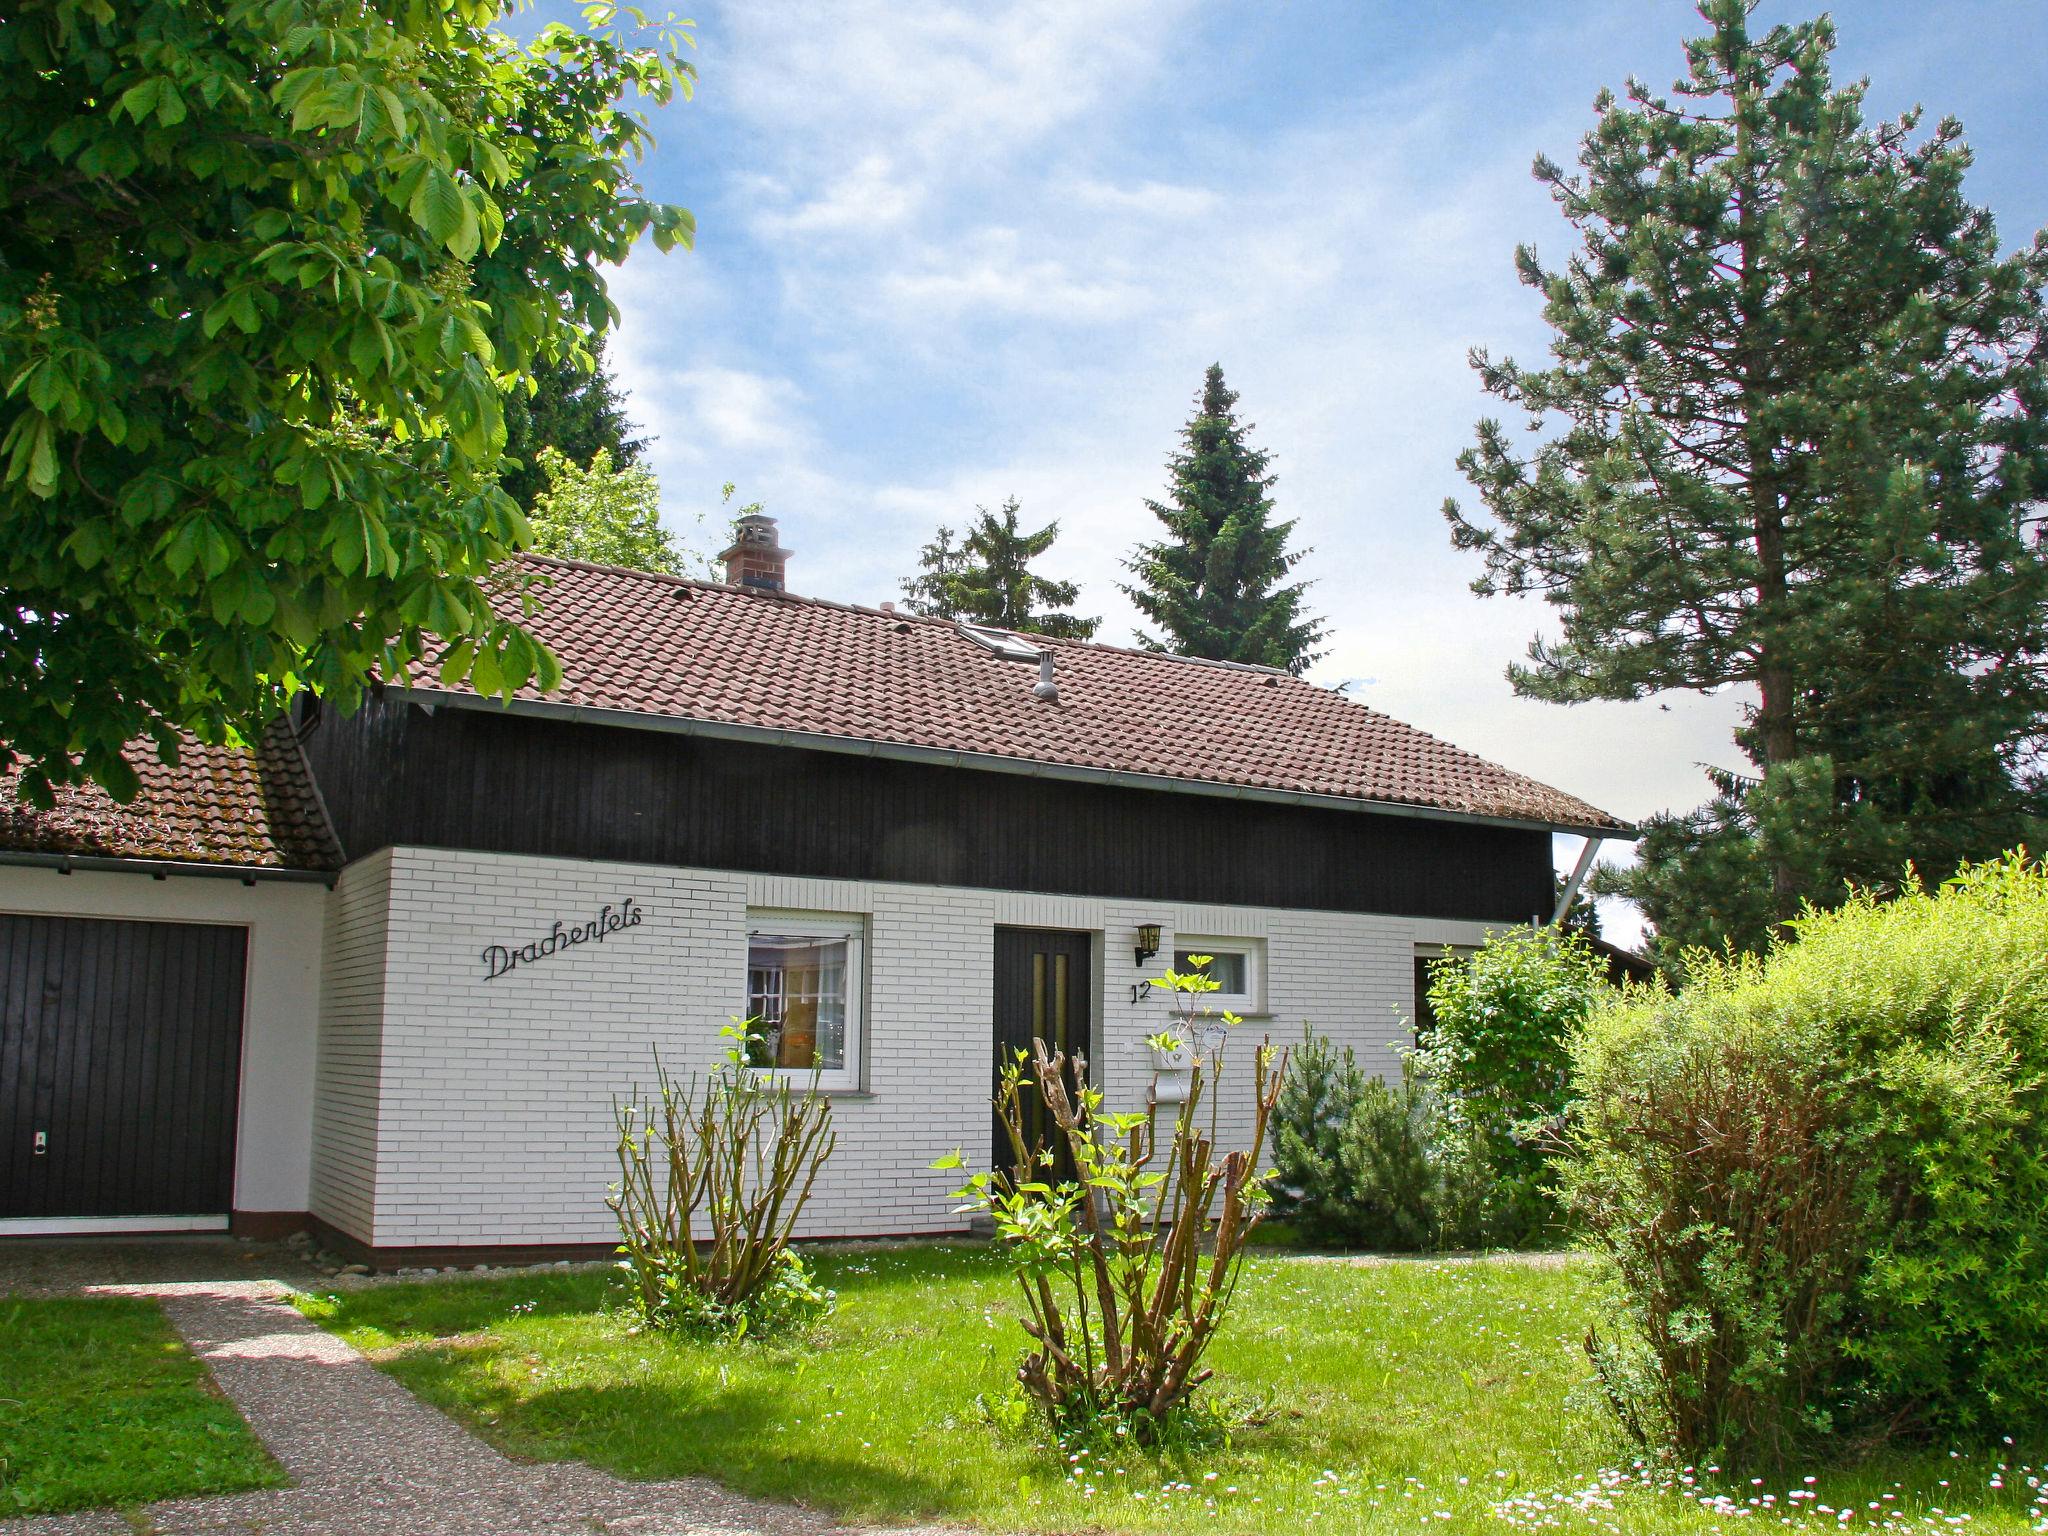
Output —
<point x="370" y="1459"/>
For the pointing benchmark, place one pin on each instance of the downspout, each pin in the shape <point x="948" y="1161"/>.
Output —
<point x="1571" y="886"/>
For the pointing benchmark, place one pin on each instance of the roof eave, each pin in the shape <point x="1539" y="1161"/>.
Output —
<point x="248" y="874"/>
<point x="988" y="762"/>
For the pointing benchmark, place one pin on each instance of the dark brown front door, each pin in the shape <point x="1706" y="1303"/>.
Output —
<point x="120" y="1059"/>
<point x="1043" y="992"/>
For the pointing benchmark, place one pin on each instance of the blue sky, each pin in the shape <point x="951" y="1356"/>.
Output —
<point x="950" y="252"/>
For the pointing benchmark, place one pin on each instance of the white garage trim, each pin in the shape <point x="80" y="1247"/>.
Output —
<point x="99" y="1226"/>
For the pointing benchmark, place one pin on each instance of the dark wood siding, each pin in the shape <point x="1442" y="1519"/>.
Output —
<point x="464" y="778"/>
<point x="121" y="1045"/>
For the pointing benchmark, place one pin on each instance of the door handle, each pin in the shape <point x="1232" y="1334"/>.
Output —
<point x="42" y="1143"/>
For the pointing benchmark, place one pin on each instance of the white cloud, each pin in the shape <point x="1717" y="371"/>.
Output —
<point x="1151" y="199"/>
<point x="665" y="355"/>
<point x="930" y="82"/>
<point x="989" y="270"/>
<point x="736" y="411"/>
<point x="866" y="197"/>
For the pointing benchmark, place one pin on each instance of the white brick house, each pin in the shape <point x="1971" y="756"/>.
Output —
<point x="466" y="926"/>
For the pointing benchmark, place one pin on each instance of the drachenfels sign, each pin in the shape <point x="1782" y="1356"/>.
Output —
<point x="500" y="959"/>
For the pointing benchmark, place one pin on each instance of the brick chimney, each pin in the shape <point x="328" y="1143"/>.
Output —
<point x="757" y="558"/>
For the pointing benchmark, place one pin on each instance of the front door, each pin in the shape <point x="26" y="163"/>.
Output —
<point x="1043" y="992"/>
<point x="120" y="1052"/>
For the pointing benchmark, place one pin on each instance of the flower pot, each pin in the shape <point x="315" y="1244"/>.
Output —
<point x="1178" y="1057"/>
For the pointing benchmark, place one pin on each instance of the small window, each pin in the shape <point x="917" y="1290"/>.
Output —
<point x="1423" y="1020"/>
<point x="1006" y="645"/>
<point x="1427" y="957"/>
<point x="803" y="997"/>
<point x="1233" y="966"/>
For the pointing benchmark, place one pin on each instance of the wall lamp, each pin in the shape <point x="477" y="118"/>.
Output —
<point x="1148" y="941"/>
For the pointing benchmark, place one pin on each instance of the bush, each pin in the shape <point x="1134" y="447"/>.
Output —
<point x="712" y="1179"/>
<point x="1322" y="1086"/>
<point x="1128" y="1269"/>
<point x="787" y="1299"/>
<point x="1823" y="1178"/>
<point x="1359" y="1162"/>
<point x="1497" y="1055"/>
<point x="1389" y="1168"/>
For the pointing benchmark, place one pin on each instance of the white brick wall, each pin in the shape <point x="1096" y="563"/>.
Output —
<point x="345" y="1105"/>
<point x="493" y="1124"/>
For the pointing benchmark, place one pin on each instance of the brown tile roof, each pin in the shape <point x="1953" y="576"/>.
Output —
<point x="253" y="809"/>
<point x="763" y="661"/>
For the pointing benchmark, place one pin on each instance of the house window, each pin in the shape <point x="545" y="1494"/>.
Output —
<point x="1234" y="965"/>
<point x="1422" y="1019"/>
<point x="804" y="997"/>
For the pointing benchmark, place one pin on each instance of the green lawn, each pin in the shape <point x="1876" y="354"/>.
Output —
<point x="100" y="1403"/>
<point x="1394" y="1396"/>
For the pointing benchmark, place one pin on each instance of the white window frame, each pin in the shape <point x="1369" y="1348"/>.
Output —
<point x="1248" y="1002"/>
<point x="849" y="927"/>
<point x="1009" y="646"/>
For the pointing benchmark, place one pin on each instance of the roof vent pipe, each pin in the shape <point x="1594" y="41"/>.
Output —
<point x="1047" y="689"/>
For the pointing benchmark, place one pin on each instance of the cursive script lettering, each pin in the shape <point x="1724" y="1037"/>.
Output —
<point x="502" y="959"/>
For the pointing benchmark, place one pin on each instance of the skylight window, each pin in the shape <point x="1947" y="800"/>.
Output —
<point x="1006" y="645"/>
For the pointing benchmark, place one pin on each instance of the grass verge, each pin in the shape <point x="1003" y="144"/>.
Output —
<point x="1383" y="1398"/>
<point x="102" y="1404"/>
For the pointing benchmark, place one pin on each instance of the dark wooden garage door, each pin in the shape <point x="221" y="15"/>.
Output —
<point x="120" y="1052"/>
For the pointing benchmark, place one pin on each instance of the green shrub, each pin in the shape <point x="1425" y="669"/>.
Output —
<point x="1823" y="1178"/>
<point x="712" y="1178"/>
<point x="787" y="1299"/>
<point x="1323" y="1085"/>
<point x="1390" y="1179"/>
<point x="1497" y="1056"/>
<point x="1359" y="1160"/>
<point x="1128" y="1268"/>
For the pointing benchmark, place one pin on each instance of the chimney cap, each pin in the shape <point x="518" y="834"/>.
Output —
<point x="756" y="557"/>
<point x="756" y="534"/>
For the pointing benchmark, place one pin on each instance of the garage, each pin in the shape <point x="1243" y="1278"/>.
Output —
<point x="120" y="1061"/>
<point x="160" y="995"/>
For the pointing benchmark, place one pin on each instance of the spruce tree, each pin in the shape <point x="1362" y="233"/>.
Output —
<point x="1799" y="445"/>
<point x="1216" y="585"/>
<point x="939" y="564"/>
<point x="987" y="578"/>
<point x="578" y="413"/>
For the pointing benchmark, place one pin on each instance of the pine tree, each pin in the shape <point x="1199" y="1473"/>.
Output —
<point x="987" y="578"/>
<point x="571" y="410"/>
<point x="1803" y="453"/>
<point x="1583" y="915"/>
<point x="1215" y="585"/>
<point x="1701" y="878"/>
